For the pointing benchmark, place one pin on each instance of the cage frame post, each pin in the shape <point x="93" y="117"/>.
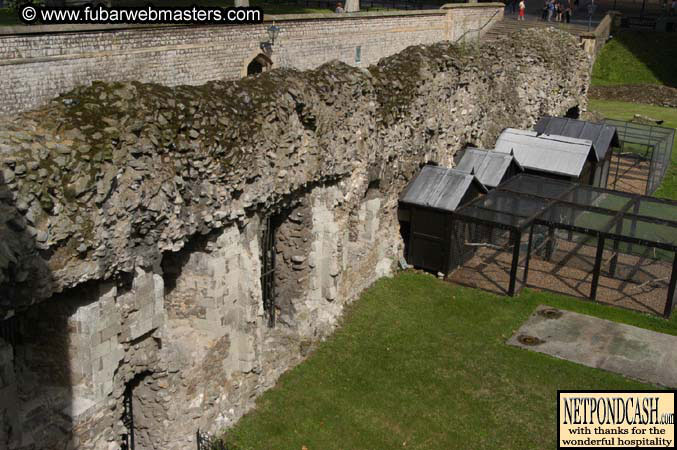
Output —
<point x="671" y="289"/>
<point x="614" y="258"/>
<point x="516" y="235"/>
<point x="598" y="267"/>
<point x="550" y="244"/>
<point x="526" y="263"/>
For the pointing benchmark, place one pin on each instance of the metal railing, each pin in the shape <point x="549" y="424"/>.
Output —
<point x="478" y="30"/>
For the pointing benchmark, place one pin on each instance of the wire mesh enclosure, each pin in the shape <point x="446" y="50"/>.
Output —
<point x="644" y="155"/>
<point x="482" y="256"/>
<point x="574" y="239"/>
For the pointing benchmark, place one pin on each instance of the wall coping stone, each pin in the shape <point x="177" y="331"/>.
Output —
<point x="78" y="28"/>
<point x="472" y="5"/>
<point x="9" y="30"/>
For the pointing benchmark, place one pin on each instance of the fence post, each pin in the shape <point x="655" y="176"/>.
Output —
<point x="526" y="263"/>
<point x="517" y="236"/>
<point x="598" y="266"/>
<point x="671" y="289"/>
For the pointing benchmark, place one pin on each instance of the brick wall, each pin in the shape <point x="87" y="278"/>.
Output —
<point x="39" y="63"/>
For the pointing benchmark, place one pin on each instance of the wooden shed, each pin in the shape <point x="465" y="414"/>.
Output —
<point x="424" y="213"/>
<point x="491" y="168"/>
<point x="552" y="156"/>
<point x="604" y="138"/>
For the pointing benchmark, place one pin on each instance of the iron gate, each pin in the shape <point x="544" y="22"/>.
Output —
<point x="205" y="441"/>
<point x="268" y="270"/>
<point x="128" y="420"/>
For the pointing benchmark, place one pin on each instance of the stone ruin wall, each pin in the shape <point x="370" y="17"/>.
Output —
<point x="38" y="63"/>
<point x="131" y="224"/>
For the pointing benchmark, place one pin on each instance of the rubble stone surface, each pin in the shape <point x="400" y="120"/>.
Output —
<point x="131" y="222"/>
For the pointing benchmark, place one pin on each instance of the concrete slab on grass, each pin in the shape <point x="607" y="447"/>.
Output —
<point x="634" y="352"/>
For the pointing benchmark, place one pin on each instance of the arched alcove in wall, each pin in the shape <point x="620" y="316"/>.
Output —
<point x="259" y="63"/>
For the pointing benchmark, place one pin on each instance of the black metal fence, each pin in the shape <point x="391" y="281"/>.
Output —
<point x="578" y="240"/>
<point x="483" y="255"/>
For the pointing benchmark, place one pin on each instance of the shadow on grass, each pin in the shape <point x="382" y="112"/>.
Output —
<point x="633" y="57"/>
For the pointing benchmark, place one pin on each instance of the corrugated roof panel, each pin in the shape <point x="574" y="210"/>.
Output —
<point x="548" y="153"/>
<point x="438" y="187"/>
<point x="602" y="135"/>
<point x="489" y="167"/>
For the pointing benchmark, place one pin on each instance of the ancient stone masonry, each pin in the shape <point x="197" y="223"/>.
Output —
<point x="132" y="216"/>
<point x="38" y="63"/>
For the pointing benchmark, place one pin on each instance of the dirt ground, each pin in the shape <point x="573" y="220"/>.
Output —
<point x="639" y="283"/>
<point x="631" y="175"/>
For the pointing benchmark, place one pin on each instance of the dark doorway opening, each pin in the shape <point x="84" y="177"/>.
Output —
<point x="128" y="417"/>
<point x="136" y="431"/>
<point x="254" y="68"/>
<point x="573" y="113"/>
<point x="261" y="63"/>
<point x="9" y="331"/>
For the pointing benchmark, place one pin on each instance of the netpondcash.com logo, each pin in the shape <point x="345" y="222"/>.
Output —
<point x="616" y="419"/>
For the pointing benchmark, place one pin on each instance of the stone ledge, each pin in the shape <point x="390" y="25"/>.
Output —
<point x="472" y="5"/>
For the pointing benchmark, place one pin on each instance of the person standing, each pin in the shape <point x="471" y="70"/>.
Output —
<point x="558" y="11"/>
<point x="567" y="11"/>
<point x="544" y="14"/>
<point x="523" y="8"/>
<point x="551" y="10"/>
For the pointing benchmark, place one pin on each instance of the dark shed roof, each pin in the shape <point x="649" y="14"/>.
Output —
<point x="602" y="135"/>
<point x="548" y="153"/>
<point x="488" y="166"/>
<point x="439" y="187"/>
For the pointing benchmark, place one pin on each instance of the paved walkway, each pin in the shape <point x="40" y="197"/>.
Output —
<point x="634" y="352"/>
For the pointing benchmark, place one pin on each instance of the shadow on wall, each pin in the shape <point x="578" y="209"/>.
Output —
<point x="36" y="379"/>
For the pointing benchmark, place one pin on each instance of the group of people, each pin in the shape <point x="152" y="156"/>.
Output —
<point x="558" y="10"/>
<point x="553" y="10"/>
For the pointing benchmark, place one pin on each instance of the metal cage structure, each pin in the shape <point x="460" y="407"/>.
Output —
<point x="268" y="268"/>
<point x="206" y="441"/>
<point x="580" y="240"/>
<point x="643" y="157"/>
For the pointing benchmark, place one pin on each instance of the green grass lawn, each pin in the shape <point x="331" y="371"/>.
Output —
<point x="625" y="111"/>
<point x="637" y="58"/>
<point x="422" y="364"/>
<point x="8" y="17"/>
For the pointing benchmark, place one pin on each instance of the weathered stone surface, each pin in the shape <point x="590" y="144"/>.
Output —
<point x="134" y="198"/>
<point x="131" y="234"/>
<point x="70" y="55"/>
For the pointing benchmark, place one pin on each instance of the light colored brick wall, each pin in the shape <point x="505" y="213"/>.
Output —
<point x="35" y="68"/>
